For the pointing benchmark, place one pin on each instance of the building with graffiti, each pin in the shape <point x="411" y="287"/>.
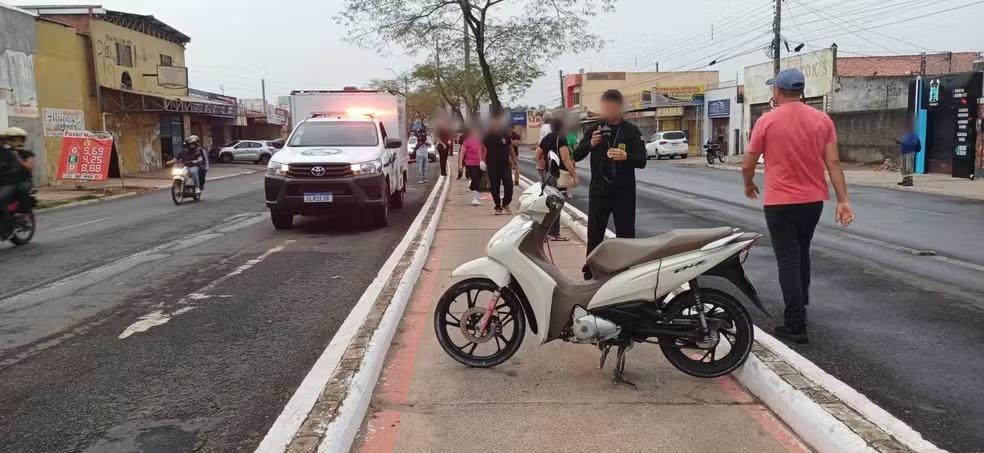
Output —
<point x="138" y="67"/>
<point x="18" y="88"/>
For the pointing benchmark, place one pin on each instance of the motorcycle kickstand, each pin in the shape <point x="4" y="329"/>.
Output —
<point x="619" y="377"/>
<point x="604" y="355"/>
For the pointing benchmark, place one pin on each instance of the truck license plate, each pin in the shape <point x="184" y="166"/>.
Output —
<point x="320" y="197"/>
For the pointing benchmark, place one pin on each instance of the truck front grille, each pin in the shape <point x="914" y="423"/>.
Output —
<point x="334" y="170"/>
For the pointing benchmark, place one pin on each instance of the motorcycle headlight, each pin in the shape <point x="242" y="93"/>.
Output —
<point x="277" y="169"/>
<point x="368" y="168"/>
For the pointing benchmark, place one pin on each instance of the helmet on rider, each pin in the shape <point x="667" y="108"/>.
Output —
<point x="15" y="137"/>
<point x="193" y="142"/>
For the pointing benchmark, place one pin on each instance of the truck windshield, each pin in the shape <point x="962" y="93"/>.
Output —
<point x="335" y="133"/>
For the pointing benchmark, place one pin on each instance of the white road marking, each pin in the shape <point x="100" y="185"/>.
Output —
<point x="160" y="316"/>
<point x="929" y="212"/>
<point x="80" y="224"/>
<point x="72" y="283"/>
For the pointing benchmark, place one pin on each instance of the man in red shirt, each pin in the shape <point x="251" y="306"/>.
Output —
<point x="799" y="142"/>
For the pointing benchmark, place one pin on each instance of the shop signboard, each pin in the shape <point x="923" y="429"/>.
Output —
<point x="663" y="112"/>
<point x="689" y="93"/>
<point x="720" y="108"/>
<point x="57" y="121"/>
<point x="518" y="118"/>
<point x="85" y="155"/>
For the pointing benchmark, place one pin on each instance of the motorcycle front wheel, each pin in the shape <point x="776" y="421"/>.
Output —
<point x="24" y="229"/>
<point x="177" y="192"/>
<point x="721" y="158"/>
<point x="727" y="347"/>
<point x="459" y="313"/>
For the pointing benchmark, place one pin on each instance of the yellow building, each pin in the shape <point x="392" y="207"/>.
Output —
<point x="66" y="87"/>
<point x="137" y="66"/>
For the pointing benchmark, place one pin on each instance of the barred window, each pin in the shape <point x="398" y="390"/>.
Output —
<point x="166" y="60"/>
<point x="124" y="55"/>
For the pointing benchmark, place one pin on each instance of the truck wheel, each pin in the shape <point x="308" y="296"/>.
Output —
<point x="282" y="220"/>
<point x="396" y="198"/>
<point x="380" y="215"/>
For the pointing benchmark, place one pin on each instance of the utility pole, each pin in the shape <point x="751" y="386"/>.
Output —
<point x="222" y="89"/>
<point x="263" y="88"/>
<point x="562" y="101"/>
<point x="776" y="37"/>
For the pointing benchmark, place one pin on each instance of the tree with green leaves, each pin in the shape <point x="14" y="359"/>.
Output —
<point x="511" y="39"/>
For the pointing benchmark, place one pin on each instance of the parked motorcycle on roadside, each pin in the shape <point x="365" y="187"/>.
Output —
<point x="712" y="149"/>
<point x="24" y="223"/>
<point x="704" y="331"/>
<point x="183" y="185"/>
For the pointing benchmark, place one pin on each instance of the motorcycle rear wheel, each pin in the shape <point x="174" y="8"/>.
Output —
<point x="506" y="329"/>
<point x="738" y="338"/>
<point x="710" y="159"/>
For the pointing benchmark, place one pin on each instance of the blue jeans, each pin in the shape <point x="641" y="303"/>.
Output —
<point x="193" y="171"/>
<point x="422" y="164"/>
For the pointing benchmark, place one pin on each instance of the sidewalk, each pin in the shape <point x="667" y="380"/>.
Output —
<point x="68" y="192"/>
<point x="549" y="398"/>
<point x="865" y="175"/>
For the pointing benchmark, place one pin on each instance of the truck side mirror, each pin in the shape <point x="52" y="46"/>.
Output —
<point x="392" y="143"/>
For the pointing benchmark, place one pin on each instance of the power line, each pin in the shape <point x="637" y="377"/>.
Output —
<point x="819" y="13"/>
<point x="909" y="19"/>
<point x="844" y="28"/>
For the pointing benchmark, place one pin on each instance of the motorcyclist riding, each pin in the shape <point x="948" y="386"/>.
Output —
<point x="16" y="171"/>
<point x="191" y="157"/>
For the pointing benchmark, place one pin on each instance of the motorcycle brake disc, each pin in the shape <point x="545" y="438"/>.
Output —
<point x="469" y="325"/>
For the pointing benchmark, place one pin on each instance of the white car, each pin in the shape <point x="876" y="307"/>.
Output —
<point x="431" y="150"/>
<point x="257" y="151"/>
<point x="667" y="144"/>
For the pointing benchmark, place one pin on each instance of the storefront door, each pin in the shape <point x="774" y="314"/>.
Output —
<point x="172" y="136"/>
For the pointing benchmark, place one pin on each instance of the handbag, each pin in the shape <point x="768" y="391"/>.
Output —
<point x="566" y="180"/>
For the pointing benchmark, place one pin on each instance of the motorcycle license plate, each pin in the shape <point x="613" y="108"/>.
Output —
<point x="319" y="197"/>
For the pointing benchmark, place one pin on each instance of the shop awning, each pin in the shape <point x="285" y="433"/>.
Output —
<point x="125" y="101"/>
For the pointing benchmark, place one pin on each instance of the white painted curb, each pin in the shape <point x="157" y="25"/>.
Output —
<point x="342" y="431"/>
<point x="282" y="431"/>
<point x="814" y="424"/>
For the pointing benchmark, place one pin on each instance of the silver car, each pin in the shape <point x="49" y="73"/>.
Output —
<point x="256" y="151"/>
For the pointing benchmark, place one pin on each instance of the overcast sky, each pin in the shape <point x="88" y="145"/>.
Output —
<point x="295" y="44"/>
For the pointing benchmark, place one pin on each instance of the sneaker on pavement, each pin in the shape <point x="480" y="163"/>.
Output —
<point x="792" y="334"/>
<point x="507" y="209"/>
<point x="198" y="191"/>
<point x="498" y="210"/>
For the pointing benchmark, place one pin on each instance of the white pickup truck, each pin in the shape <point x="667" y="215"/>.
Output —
<point x="348" y="152"/>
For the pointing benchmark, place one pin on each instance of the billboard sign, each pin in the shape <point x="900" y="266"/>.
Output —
<point x="518" y="118"/>
<point x="57" y="121"/>
<point x="816" y="66"/>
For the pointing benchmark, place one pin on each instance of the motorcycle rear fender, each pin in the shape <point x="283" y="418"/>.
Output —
<point x="484" y="267"/>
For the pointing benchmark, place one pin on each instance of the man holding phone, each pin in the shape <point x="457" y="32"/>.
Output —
<point x="617" y="150"/>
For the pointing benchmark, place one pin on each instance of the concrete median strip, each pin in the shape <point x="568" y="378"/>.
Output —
<point x="826" y="413"/>
<point x="328" y="408"/>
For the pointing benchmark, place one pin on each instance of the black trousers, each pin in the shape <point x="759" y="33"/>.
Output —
<point x="501" y="178"/>
<point x="442" y="153"/>
<point x="621" y="210"/>
<point x="201" y="177"/>
<point x="791" y="228"/>
<point x="474" y="173"/>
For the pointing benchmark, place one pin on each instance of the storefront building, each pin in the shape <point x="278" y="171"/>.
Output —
<point x="216" y="126"/>
<point x="723" y="118"/>
<point x="18" y="90"/>
<point x="946" y="109"/>
<point x="141" y="82"/>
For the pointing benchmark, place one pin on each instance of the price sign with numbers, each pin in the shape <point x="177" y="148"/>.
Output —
<point x="85" y="155"/>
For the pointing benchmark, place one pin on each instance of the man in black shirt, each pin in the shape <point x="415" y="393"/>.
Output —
<point x="616" y="150"/>
<point x="500" y="161"/>
<point x="16" y="171"/>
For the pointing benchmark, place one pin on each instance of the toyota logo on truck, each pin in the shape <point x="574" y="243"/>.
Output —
<point x="318" y="171"/>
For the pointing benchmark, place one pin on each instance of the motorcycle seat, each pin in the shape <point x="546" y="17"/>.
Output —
<point x="615" y="255"/>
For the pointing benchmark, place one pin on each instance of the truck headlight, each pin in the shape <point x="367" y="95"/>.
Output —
<point x="368" y="168"/>
<point x="277" y="169"/>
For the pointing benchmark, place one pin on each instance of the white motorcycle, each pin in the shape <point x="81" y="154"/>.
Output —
<point x="636" y="295"/>
<point x="183" y="185"/>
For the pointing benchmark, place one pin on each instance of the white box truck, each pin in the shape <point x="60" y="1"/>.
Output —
<point x="347" y="153"/>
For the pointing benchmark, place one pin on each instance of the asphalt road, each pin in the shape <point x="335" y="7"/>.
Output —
<point x="137" y="325"/>
<point x="904" y="330"/>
